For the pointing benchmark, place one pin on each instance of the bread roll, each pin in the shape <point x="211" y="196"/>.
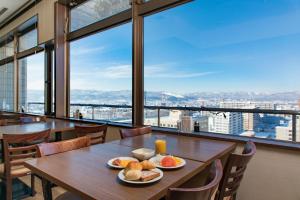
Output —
<point x="133" y="175"/>
<point x="147" y="165"/>
<point x="133" y="165"/>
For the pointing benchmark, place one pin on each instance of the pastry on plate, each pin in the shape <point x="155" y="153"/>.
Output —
<point x="133" y="175"/>
<point x="133" y="165"/>
<point x="147" y="165"/>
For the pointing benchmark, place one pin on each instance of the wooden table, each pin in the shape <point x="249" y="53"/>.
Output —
<point x="56" y="125"/>
<point x="193" y="148"/>
<point x="85" y="173"/>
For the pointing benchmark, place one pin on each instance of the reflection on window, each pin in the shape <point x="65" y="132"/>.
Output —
<point x="234" y="54"/>
<point x="101" y="73"/>
<point x="31" y="84"/>
<point x="7" y="87"/>
<point x="7" y="50"/>
<point x="28" y="40"/>
<point x="96" y="10"/>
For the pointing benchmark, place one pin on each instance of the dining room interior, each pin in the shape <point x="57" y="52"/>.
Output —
<point x="150" y="99"/>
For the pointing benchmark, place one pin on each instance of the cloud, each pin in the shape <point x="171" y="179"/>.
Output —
<point x="84" y="50"/>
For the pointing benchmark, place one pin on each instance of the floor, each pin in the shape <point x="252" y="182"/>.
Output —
<point x="56" y="191"/>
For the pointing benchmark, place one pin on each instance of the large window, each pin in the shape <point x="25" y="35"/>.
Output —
<point x="28" y="40"/>
<point x="96" y="10"/>
<point x="229" y="54"/>
<point x="101" y="73"/>
<point x="7" y="87"/>
<point x="7" y="50"/>
<point x="32" y="83"/>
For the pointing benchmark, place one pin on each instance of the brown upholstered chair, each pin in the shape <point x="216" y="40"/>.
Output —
<point x="202" y="193"/>
<point x="47" y="149"/>
<point x="32" y="119"/>
<point x="97" y="133"/>
<point x="15" y="153"/>
<point x="234" y="171"/>
<point x="125" y="133"/>
<point x="3" y="122"/>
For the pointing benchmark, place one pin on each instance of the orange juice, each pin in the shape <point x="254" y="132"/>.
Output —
<point x="160" y="146"/>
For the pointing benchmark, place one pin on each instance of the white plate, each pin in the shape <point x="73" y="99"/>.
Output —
<point x="156" y="160"/>
<point x="110" y="162"/>
<point x="122" y="177"/>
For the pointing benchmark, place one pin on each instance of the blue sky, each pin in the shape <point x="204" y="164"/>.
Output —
<point x="206" y="45"/>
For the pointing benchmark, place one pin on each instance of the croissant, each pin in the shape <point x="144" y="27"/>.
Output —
<point x="147" y="165"/>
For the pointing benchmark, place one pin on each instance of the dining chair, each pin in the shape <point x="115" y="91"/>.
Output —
<point x="205" y="192"/>
<point x="48" y="149"/>
<point x="3" y="122"/>
<point x="18" y="148"/>
<point x="32" y="119"/>
<point x="234" y="171"/>
<point x="125" y="133"/>
<point x="97" y="133"/>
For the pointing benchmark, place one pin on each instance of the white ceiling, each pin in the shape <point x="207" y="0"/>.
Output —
<point x="12" y="6"/>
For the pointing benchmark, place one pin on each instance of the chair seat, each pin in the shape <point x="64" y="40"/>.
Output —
<point x="15" y="171"/>
<point x="68" y="196"/>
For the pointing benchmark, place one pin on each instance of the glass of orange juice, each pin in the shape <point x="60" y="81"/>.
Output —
<point x="160" y="146"/>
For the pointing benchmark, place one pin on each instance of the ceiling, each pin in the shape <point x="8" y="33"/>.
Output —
<point x="12" y="6"/>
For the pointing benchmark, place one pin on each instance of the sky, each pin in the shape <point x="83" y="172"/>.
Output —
<point x="205" y="45"/>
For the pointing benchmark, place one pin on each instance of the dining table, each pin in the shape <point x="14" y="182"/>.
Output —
<point x="85" y="172"/>
<point x="193" y="148"/>
<point x="57" y="126"/>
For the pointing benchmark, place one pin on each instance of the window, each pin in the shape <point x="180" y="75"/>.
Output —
<point x="101" y="73"/>
<point x="31" y="84"/>
<point x="7" y="50"/>
<point x="229" y="54"/>
<point x="28" y="40"/>
<point x="96" y="10"/>
<point x="7" y="87"/>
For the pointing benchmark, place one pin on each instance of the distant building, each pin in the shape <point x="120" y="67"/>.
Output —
<point x="227" y="123"/>
<point x="286" y="132"/>
<point x="250" y="120"/>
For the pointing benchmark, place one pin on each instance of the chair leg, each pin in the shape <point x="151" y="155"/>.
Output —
<point x="32" y="185"/>
<point x="47" y="191"/>
<point x="8" y="185"/>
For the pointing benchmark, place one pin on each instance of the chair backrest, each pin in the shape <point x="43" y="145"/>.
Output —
<point x="97" y="133"/>
<point x="201" y="193"/>
<point x="47" y="149"/>
<point x="234" y="171"/>
<point x="19" y="147"/>
<point x="32" y="119"/>
<point x="125" y="133"/>
<point x="3" y="122"/>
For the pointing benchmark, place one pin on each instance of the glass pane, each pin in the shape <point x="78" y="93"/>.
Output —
<point x="7" y="50"/>
<point x="101" y="75"/>
<point x="234" y="54"/>
<point x="31" y="84"/>
<point x="96" y="10"/>
<point x="7" y="87"/>
<point x="28" y="40"/>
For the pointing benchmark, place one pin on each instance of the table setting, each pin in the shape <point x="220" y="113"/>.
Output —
<point x="145" y="165"/>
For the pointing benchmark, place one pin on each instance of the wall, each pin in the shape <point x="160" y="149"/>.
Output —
<point x="45" y="11"/>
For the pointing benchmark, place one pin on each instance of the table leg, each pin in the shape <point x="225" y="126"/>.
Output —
<point x="58" y="136"/>
<point x="47" y="191"/>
